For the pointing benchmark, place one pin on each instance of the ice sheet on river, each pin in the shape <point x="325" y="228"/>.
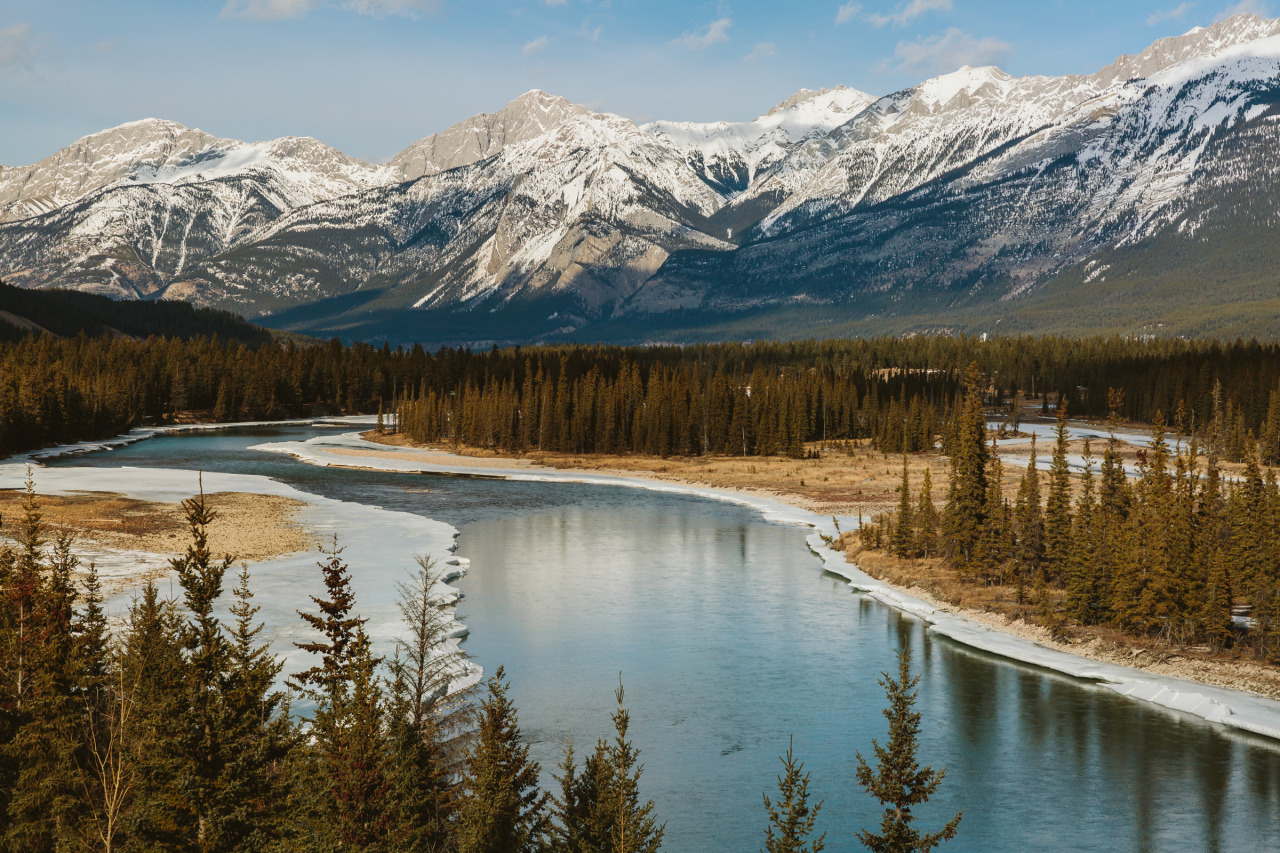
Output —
<point x="1227" y="707"/>
<point x="379" y="546"/>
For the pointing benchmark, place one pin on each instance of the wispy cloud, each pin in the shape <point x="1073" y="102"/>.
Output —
<point x="588" y="32"/>
<point x="717" y="31"/>
<point x="16" y="48"/>
<point x="267" y="10"/>
<point x="280" y="10"/>
<point x="847" y="12"/>
<point x="383" y="8"/>
<point x="536" y="46"/>
<point x="1175" y="14"/>
<point x="908" y="12"/>
<point x="763" y="50"/>
<point x="1245" y="7"/>
<point x="945" y="53"/>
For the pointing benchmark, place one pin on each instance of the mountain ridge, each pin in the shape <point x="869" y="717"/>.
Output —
<point x="546" y="219"/>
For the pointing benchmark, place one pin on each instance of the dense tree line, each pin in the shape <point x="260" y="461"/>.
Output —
<point x="173" y="733"/>
<point x="717" y="398"/>
<point x="1165" y="550"/>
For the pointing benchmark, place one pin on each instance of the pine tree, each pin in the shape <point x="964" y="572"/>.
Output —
<point x="898" y="781"/>
<point x="258" y="735"/>
<point x="791" y="820"/>
<point x="153" y="673"/>
<point x="927" y="518"/>
<point x="1085" y="601"/>
<point x="348" y="721"/>
<point x="207" y="658"/>
<point x="600" y="808"/>
<point x="1029" y="525"/>
<point x="428" y="714"/>
<point x="964" y="517"/>
<point x="1057" y="511"/>
<point x="903" y="543"/>
<point x="503" y="810"/>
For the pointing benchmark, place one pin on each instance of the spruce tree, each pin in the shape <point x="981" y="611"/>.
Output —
<point x="207" y="658"/>
<point x="154" y="674"/>
<point x="1029" y="526"/>
<point x="898" y="781"/>
<point x="903" y="543"/>
<point x="1057" y="511"/>
<point x="927" y="518"/>
<point x="258" y="735"/>
<point x="429" y="714"/>
<point x="347" y="724"/>
<point x="791" y="819"/>
<point x="503" y="810"/>
<point x="964" y="517"/>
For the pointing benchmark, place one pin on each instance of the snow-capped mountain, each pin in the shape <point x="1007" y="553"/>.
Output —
<point x="971" y="190"/>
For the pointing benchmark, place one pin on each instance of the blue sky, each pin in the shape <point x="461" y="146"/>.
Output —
<point x="371" y="76"/>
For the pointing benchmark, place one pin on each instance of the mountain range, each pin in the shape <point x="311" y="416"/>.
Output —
<point x="1139" y="200"/>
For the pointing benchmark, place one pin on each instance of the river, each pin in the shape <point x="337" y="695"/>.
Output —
<point x="730" y="639"/>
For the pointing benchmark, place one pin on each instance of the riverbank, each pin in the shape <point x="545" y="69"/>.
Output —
<point x="847" y="480"/>
<point x="848" y="483"/>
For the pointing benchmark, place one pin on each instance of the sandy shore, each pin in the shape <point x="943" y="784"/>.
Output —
<point x="248" y="527"/>
<point x="849" y="482"/>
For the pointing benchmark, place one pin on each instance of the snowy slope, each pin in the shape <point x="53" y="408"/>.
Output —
<point x="974" y="183"/>
<point x="729" y="155"/>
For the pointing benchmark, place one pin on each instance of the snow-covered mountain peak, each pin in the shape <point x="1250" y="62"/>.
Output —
<point x="95" y="161"/>
<point x="1198" y="42"/>
<point x="485" y="135"/>
<point x="967" y="81"/>
<point x="841" y="99"/>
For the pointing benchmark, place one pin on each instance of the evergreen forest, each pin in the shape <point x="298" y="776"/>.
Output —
<point x="173" y="732"/>
<point x="735" y="399"/>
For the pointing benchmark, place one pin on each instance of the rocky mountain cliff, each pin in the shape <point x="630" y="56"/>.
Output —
<point x="968" y="201"/>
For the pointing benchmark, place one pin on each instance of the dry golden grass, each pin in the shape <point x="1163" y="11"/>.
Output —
<point x="247" y="526"/>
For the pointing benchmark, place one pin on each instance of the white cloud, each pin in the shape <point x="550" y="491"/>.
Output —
<point x="267" y="10"/>
<point x="1245" y="7"/>
<point x="15" y="46"/>
<point x="763" y="50"/>
<point x="716" y="32"/>
<point x="382" y="8"/>
<point x="909" y="11"/>
<point x="945" y="53"/>
<point x="536" y="46"/>
<point x="588" y="32"/>
<point x="1175" y="14"/>
<point x="279" y="10"/>
<point x="847" y="12"/>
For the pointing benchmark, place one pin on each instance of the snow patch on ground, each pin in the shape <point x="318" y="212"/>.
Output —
<point x="379" y="546"/>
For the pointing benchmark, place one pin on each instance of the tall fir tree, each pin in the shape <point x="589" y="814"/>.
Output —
<point x="964" y="518"/>
<point x="791" y="818"/>
<point x="1057" y="511"/>
<point x="898" y="782"/>
<point x="1029" y="525"/>
<point x="503" y="810"/>
<point x="904" y="536"/>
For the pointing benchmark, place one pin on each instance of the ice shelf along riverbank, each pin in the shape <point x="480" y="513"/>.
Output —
<point x="1229" y="708"/>
<point x="379" y="545"/>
